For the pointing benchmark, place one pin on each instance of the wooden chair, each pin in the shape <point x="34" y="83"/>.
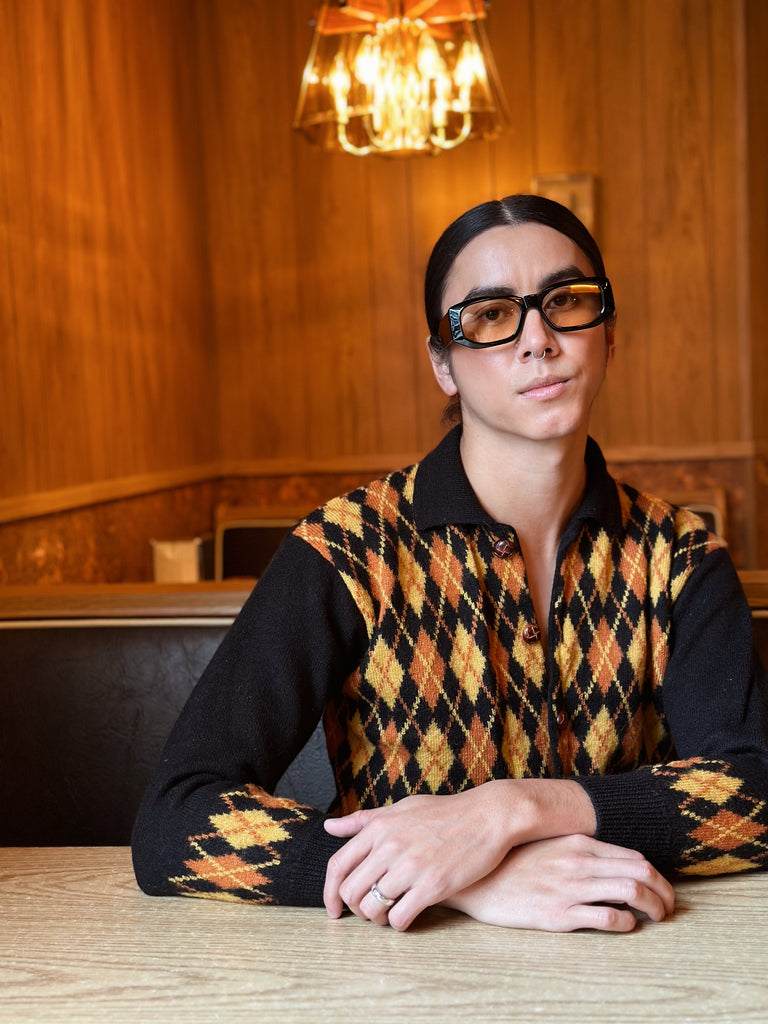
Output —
<point x="246" y="537"/>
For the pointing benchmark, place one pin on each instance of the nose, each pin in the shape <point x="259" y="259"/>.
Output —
<point x="536" y="339"/>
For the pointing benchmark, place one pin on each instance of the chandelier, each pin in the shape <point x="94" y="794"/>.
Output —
<point x="399" y="77"/>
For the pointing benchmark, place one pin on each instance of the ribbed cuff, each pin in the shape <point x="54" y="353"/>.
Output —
<point x="635" y="810"/>
<point x="302" y="876"/>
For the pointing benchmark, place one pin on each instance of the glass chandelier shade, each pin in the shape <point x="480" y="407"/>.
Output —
<point x="399" y="77"/>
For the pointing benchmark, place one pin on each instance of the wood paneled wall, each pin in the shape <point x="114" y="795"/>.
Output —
<point x="320" y="327"/>
<point x="108" y="360"/>
<point x="190" y="290"/>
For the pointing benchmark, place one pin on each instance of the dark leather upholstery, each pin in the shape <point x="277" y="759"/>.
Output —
<point x="86" y="712"/>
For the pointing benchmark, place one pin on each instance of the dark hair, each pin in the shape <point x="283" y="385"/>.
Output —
<point x="510" y="211"/>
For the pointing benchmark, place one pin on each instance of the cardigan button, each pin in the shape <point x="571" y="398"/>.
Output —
<point x="560" y="719"/>
<point x="531" y="633"/>
<point x="503" y="548"/>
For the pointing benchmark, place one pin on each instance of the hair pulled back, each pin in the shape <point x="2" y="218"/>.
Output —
<point x="510" y="211"/>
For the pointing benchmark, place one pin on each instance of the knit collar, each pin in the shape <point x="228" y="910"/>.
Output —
<point x="443" y="494"/>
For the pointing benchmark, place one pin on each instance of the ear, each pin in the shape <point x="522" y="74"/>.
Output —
<point x="441" y="367"/>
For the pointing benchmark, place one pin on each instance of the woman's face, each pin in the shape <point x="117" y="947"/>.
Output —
<point x="510" y="390"/>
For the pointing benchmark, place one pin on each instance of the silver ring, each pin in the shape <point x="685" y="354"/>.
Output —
<point x="380" y="897"/>
<point x="539" y="358"/>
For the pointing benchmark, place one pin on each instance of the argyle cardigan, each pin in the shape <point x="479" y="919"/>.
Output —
<point x="421" y="645"/>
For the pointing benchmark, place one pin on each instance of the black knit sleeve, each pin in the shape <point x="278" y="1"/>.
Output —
<point x="706" y="810"/>
<point x="209" y="824"/>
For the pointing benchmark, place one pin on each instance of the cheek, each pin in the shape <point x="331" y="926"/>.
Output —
<point x="480" y="370"/>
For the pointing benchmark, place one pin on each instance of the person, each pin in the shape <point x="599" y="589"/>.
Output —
<point x="539" y="689"/>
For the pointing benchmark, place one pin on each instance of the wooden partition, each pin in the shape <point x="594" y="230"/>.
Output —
<point x="194" y="295"/>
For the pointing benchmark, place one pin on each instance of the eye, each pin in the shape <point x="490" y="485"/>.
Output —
<point x="561" y="299"/>
<point x="490" y="320"/>
<point x="573" y="305"/>
<point x="491" y="310"/>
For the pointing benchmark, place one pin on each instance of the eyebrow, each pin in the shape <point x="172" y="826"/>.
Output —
<point x="497" y="291"/>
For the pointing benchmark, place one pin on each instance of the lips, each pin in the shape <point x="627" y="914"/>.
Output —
<point x="544" y="386"/>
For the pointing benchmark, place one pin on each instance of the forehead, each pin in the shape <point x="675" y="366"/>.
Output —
<point x="517" y="257"/>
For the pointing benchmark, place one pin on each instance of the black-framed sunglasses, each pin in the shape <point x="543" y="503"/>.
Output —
<point x="572" y="305"/>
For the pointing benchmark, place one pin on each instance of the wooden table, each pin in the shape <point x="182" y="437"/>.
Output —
<point x="80" y="943"/>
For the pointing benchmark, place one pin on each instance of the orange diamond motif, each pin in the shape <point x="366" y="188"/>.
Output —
<point x="604" y="656"/>
<point x="227" y="872"/>
<point x="727" y="830"/>
<point x="478" y="753"/>
<point x="445" y="569"/>
<point x="427" y="668"/>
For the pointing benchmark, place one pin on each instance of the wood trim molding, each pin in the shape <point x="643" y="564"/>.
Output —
<point x="29" y="506"/>
<point x="755" y="583"/>
<point x="187" y="600"/>
<point x="125" y="600"/>
<point x="716" y="452"/>
<point x="42" y="503"/>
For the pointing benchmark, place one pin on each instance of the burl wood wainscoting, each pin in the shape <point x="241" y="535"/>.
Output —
<point x="199" y="307"/>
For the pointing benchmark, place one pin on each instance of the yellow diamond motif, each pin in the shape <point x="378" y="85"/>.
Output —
<point x="601" y="565"/>
<point x="385" y="673"/>
<point x="601" y="740"/>
<point x="345" y="515"/>
<point x="516" y="747"/>
<point x="704" y="785"/>
<point x="242" y="829"/>
<point x="434" y="757"/>
<point x="724" y="865"/>
<point x="412" y="578"/>
<point x="467" y="662"/>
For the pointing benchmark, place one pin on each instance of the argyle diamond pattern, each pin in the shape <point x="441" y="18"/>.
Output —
<point x="451" y="694"/>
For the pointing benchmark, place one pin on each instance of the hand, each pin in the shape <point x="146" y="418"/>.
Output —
<point x="424" y="849"/>
<point x="565" y="883"/>
<point x="418" y="851"/>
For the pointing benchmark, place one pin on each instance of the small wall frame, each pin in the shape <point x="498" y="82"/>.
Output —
<point x="576" y="191"/>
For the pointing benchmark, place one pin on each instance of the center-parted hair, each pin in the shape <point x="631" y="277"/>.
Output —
<point x="511" y="211"/>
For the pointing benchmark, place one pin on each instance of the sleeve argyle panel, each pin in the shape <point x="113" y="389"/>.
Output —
<point x="236" y="858"/>
<point x="725" y="821"/>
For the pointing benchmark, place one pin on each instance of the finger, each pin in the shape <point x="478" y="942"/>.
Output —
<point x="357" y="888"/>
<point x="339" y="868"/>
<point x="377" y="908"/>
<point x="604" y="919"/>
<point x="605" y="860"/>
<point x="640" y="877"/>
<point x="406" y="910"/>
<point x="348" y="824"/>
<point x="630" y="892"/>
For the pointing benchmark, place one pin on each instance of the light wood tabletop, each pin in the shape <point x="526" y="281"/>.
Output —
<point x="80" y="943"/>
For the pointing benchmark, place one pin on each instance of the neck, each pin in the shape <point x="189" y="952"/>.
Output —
<point x="534" y="486"/>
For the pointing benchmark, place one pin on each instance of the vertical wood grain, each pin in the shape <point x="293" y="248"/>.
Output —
<point x="678" y="183"/>
<point x="756" y="98"/>
<point x="106" y="350"/>
<point x="186" y="280"/>
<point x="623" y="412"/>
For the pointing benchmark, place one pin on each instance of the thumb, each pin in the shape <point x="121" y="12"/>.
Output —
<point x="348" y="825"/>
